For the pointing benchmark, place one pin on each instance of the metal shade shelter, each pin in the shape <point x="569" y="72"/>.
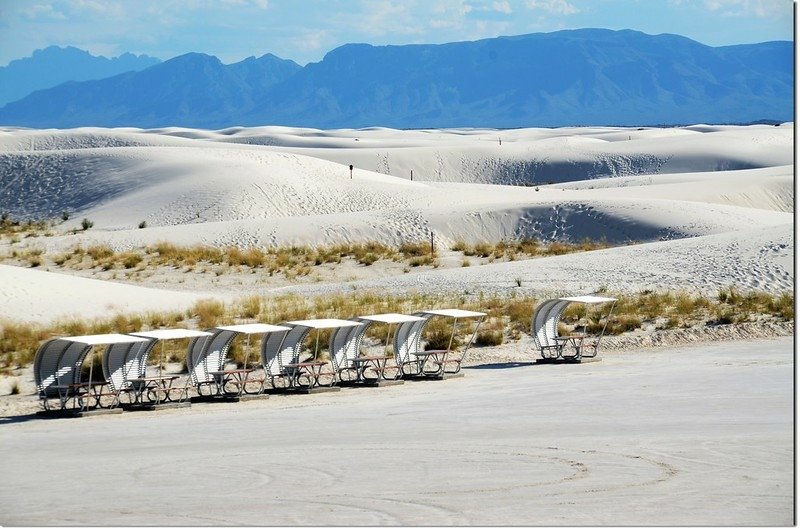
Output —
<point x="306" y="375"/>
<point x="345" y="345"/>
<point x="158" y="386"/>
<point x="207" y="363"/>
<point x="544" y="329"/>
<point x="58" y="362"/>
<point x="413" y="361"/>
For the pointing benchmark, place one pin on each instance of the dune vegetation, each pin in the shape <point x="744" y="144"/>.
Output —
<point x="290" y="261"/>
<point x="508" y="318"/>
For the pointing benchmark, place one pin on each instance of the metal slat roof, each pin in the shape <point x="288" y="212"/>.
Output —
<point x="588" y="299"/>
<point x="255" y="328"/>
<point x="391" y="318"/>
<point x="324" y="324"/>
<point x="171" y="334"/>
<point x="455" y="313"/>
<point x="104" y="339"/>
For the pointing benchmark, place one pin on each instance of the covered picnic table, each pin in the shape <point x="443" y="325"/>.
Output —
<point x="308" y="375"/>
<point x="358" y="369"/>
<point x="58" y="364"/>
<point x="234" y="381"/>
<point x="158" y="388"/>
<point x="415" y="362"/>
<point x="572" y="347"/>
<point x="207" y="363"/>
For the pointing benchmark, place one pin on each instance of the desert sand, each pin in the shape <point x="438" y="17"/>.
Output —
<point x="658" y="432"/>
<point x="671" y="436"/>
<point x="709" y="206"/>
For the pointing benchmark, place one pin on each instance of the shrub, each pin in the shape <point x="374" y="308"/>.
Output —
<point x="617" y="325"/>
<point x="783" y="306"/>
<point x="131" y="259"/>
<point x="143" y="224"/>
<point x="481" y="250"/>
<point x="86" y="224"/>
<point x="367" y="259"/>
<point x="208" y="312"/>
<point x="99" y="252"/>
<point x="250" y="307"/>
<point x="422" y="261"/>
<point x="459" y="246"/>
<point x="489" y="337"/>
<point x="437" y="335"/>
<point x="415" y="249"/>
<point x="64" y="216"/>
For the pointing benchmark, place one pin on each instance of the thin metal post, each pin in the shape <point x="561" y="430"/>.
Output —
<point x="452" y="334"/>
<point x="608" y="317"/>
<point x="247" y="351"/>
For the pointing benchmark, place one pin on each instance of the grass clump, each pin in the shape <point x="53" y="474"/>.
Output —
<point x="515" y="249"/>
<point x="209" y="313"/>
<point x="490" y="333"/>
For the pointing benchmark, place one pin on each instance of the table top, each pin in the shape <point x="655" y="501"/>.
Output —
<point x="570" y="337"/>
<point x="231" y="371"/>
<point x="432" y="352"/>
<point x="307" y="364"/>
<point x="370" y="358"/>
<point x="152" y="379"/>
<point x="80" y="385"/>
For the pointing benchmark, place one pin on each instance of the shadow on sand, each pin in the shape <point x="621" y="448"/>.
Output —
<point x="502" y="365"/>
<point x="33" y="417"/>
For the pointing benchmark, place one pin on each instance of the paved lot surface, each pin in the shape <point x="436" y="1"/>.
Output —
<point x="696" y="435"/>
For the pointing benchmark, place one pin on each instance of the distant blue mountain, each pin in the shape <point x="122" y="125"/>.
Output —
<point x="575" y="77"/>
<point x="193" y="90"/>
<point x="54" y="65"/>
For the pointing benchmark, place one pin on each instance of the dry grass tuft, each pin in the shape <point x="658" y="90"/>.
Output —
<point x="209" y="312"/>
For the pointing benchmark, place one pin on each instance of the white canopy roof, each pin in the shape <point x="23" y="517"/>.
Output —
<point x="324" y="324"/>
<point x="104" y="339"/>
<point x="171" y="334"/>
<point x="391" y="318"/>
<point x="588" y="299"/>
<point x="455" y="313"/>
<point x="255" y="328"/>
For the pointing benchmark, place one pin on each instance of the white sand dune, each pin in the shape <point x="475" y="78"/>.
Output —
<point x="755" y="259"/>
<point x="712" y="202"/>
<point x="34" y="295"/>
<point x="708" y="428"/>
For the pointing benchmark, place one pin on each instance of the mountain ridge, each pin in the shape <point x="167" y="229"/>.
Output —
<point x="51" y="66"/>
<point x="591" y="76"/>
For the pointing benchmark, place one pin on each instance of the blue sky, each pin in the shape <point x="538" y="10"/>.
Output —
<point x="304" y="30"/>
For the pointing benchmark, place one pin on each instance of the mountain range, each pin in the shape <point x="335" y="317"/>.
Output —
<point x="55" y="65"/>
<point x="571" y="77"/>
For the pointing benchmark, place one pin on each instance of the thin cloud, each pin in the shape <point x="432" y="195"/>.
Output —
<point x="744" y="8"/>
<point x="555" y="7"/>
<point x="502" y="7"/>
<point x="43" y="11"/>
